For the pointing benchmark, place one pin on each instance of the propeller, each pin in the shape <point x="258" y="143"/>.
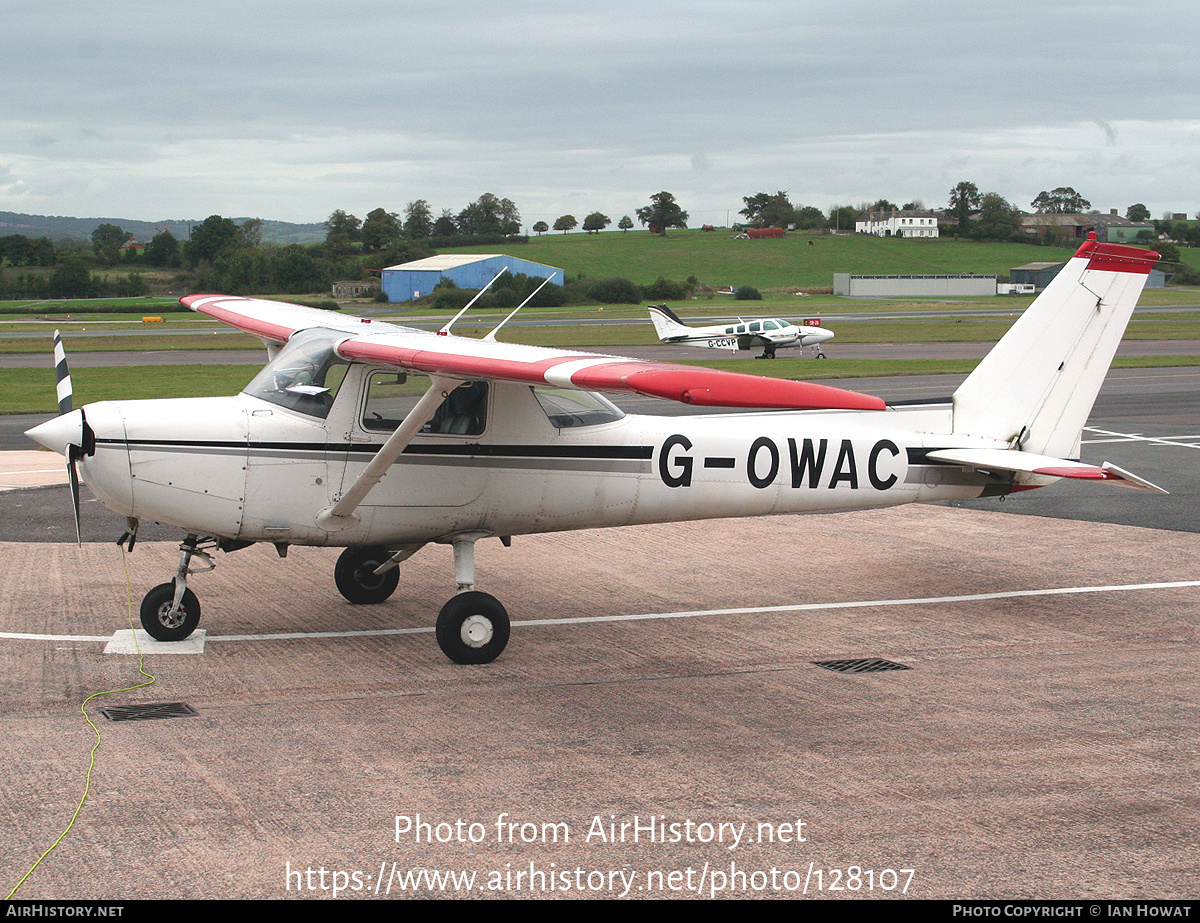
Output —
<point x="87" y="439"/>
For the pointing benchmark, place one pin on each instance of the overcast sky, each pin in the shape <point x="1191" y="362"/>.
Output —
<point x="178" y="110"/>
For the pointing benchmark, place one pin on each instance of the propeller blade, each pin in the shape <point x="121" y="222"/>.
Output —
<point x="73" y="453"/>
<point x="87" y="439"/>
<point x="62" y="376"/>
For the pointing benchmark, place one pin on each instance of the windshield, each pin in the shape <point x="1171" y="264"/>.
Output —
<point x="305" y="376"/>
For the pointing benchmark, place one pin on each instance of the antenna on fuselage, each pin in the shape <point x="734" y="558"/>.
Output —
<point x="491" y="337"/>
<point x="445" y="330"/>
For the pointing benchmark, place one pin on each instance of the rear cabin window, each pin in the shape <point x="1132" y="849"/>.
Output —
<point x="391" y="395"/>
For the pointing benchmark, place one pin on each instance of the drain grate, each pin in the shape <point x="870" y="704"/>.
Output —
<point x="870" y="665"/>
<point x="149" y="711"/>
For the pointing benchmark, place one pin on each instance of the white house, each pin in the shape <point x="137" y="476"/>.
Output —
<point x="897" y="223"/>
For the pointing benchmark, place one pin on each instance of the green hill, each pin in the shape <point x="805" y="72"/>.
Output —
<point x="797" y="260"/>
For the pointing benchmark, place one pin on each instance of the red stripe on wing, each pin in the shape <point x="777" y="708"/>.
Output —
<point x="244" y="322"/>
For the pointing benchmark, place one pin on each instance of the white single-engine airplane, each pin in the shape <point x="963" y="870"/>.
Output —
<point x="331" y="444"/>
<point x="769" y="333"/>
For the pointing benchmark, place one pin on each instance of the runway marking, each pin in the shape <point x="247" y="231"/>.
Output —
<point x="1138" y="437"/>
<point x="866" y="604"/>
<point x="651" y="616"/>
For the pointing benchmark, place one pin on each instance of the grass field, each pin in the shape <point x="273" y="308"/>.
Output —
<point x="32" y="390"/>
<point x="797" y="260"/>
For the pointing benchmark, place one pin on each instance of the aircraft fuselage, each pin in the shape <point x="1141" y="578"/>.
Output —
<point x="243" y="468"/>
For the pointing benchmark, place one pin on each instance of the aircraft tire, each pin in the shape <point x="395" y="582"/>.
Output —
<point x="355" y="580"/>
<point x="156" y="606"/>
<point x="472" y="628"/>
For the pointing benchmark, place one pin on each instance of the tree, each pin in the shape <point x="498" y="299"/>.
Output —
<point x="565" y="223"/>
<point x="445" y="226"/>
<point x="998" y="219"/>
<point x="541" y="227"/>
<point x="209" y="238"/>
<point x="341" y="230"/>
<point x="662" y="213"/>
<point x="1062" y="200"/>
<point x="71" y="279"/>
<point x="250" y="233"/>
<point x="380" y="229"/>
<point x="809" y="216"/>
<point x="764" y="210"/>
<point x="596" y="222"/>
<point x="163" y="250"/>
<point x="489" y="215"/>
<point x="964" y="199"/>
<point x="106" y="242"/>
<point x="1138" y="212"/>
<point x="625" y="223"/>
<point x="418" y="220"/>
<point x="843" y="217"/>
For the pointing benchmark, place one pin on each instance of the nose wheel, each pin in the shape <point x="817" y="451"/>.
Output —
<point x="166" y="620"/>
<point x="170" y="611"/>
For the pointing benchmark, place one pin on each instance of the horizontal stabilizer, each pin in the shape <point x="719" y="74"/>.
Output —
<point x="1015" y="462"/>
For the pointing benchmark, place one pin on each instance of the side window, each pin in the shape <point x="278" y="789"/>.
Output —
<point x="391" y="395"/>
<point x="566" y="408"/>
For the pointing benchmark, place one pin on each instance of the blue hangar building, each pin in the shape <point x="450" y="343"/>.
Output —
<point x="408" y="281"/>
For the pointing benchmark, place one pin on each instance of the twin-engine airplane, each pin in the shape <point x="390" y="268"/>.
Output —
<point x="381" y="439"/>
<point x="770" y="333"/>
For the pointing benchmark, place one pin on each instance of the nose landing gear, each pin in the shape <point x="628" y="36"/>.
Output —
<point x="170" y="611"/>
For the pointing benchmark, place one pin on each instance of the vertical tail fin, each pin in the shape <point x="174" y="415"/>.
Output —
<point x="1036" y="387"/>
<point x="667" y="324"/>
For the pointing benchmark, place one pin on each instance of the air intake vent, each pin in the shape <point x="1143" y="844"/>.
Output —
<point x="860" y="666"/>
<point x="149" y="711"/>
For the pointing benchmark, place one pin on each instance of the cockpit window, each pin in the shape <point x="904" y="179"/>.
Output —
<point x="391" y="395"/>
<point x="304" y="376"/>
<point x="566" y="408"/>
<point x="770" y="325"/>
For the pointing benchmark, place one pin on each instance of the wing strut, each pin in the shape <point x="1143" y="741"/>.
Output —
<point x="341" y="514"/>
<point x="491" y="337"/>
<point x="446" y="329"/>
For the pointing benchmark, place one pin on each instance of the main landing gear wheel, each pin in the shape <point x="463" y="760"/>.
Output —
<point x="160" y="622"/>
<point x="356" y="578"/>
<point x="472" y="628"/>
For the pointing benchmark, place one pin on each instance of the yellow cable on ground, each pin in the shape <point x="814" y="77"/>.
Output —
<point x="96" y="746"/>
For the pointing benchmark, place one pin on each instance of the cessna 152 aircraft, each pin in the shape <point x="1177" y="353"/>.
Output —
<point x="770" y="334"/>
<point x="334" y="442"/>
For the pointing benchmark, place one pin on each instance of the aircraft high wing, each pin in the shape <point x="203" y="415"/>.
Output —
<point x="769" y="334"/>
<point x="464" y="358"/>
<point x="380" y="439"/>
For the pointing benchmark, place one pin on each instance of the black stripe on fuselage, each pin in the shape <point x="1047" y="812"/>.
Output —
<point x="470" y="449"/>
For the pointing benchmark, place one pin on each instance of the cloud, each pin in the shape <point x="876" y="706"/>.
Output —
<point x="291" y="112"/>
